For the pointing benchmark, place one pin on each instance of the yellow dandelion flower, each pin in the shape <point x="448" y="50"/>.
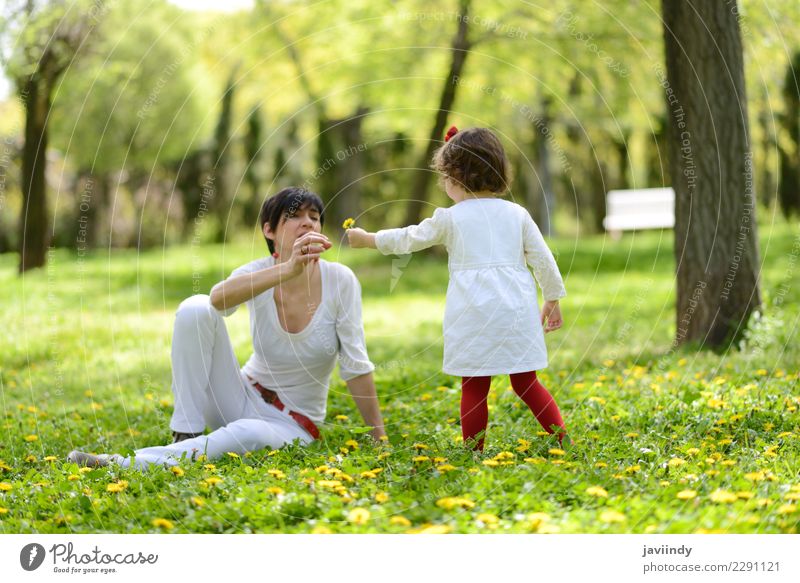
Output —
<point x="351" y="443"/>
<point x="329" y="483"/>
<point x="5" y="487"/>
<point x="601" y="465"/>
<point x="30" y="458"/>
<point x="210" y="467"/>
<point x="197" y="501"/>
<point x="537" y="519"/>
<point x="633" y="469"/>
<point x="692" y="451"/>
<point x="30" y="438"/>
<point x="177" y="471"/>
<point x="320" y="529"/>
<point x="420" y="459"/>
<point x="50" y="458"/>
<point x="755" y="476"/>
<point x="762" y="372"/>
<point x="3" y="510"/>
<point x="275" y="490"/>
<point x="431" y="529"/>
<point x="233" y="454"/>
<point x="358" y="516"/>
<point x="381" y="497"/>
<point x="675" y="462"/>
<point x="723" y="497"/>
<point x="420" y="446"/>
<point x="491" y="463"/>
<point x="487" y="519"/>
<point x="348" y="223"/>
<point x="211" y="481"/>
<point x="597" y="491"/>
<point x="792" y="496"/>
<point x="744" y="495"/>
<point x="556" y="451"/>
<point x="445" y="468"/>
<point x="163" y="523"/>
<point x="73" y="477"/>
<point x="686" y="494"/>
<point x="610" y="516"/>
<point x="399" y="521"/>
<point x="632" y="434"/>
<point x="277" y="474"/>
<point x="451" y="502"/>
<point x="787" y="509"/>
<point x="5" y="466"/>
<point x="342" y="418"/>
<point x="368" y="475"/>
<point x="504" y="455"/>
<point x="535" y="460"/>
<point x="116" y="487"/>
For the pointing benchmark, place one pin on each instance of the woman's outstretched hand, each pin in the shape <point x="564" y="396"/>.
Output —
<point x="359" y="238"/>
<point x="551" y="316"/>
<point x="307" y="250"/>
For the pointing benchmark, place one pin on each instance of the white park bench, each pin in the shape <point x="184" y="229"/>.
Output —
<point x="633" y="210"/>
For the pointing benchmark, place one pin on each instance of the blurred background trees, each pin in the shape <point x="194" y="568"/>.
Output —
<point x="160" y="125"/>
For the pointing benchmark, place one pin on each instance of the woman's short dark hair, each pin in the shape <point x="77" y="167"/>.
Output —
<point x="475" y="159"/>
<point x="286" y="203"/>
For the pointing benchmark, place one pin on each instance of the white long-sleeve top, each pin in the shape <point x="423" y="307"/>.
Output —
<point x="491" y="321"/>
<point x="298" y="366"/>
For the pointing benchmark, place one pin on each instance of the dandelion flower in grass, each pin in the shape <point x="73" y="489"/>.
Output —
<point x="368" y="475"/>
<point x="611" y="516"/>
<point x="5" y="487"/>
<point x="351" y="443"/>
<point x="686" y="494"/>
<point x="233" y="454"/>
<point x="74" y="477"/>
<point x="556" y="451"/>
<point x="445" y="468"/>
<point x="451" y="502"/>
<point x="597" y="491"/>
<point x="50" y="458"/>
<point x="277" y="474"/>
<point x="692" y="451"/>
<point x="420" y="446"/>
<point x="420" y="459"/>
<point x="197" y="501"/>
<point x="342" y="418"/>
<point x="211" y="481"/>
<point x="30" y="438"/>
<point x="381" y="497"/>
<point x="5" y="466"/>
<point x="210" y="467"/>
<point x="177" y="471"/>
<point x="675" y="462"/>
<point x="723" y="497"/>
<point x="399" y="521"/>
<point x="787" y="509"/>
<point x="275" y="490"/>
<point x="755" y="476"/>
<point x="431" y="529"/>
<point x="792" y="496"/>
<point x="744" y="495"/>
<point x="348" y="223"/>
<point x="320" y="529"/>
<point x="358" y="516"/>
<point x="328" y="483"/>
<point x="116" y="487"/>
<point x="163" y="523"/>
<point x="491" y="463"/>
<point x="489" y="520"/>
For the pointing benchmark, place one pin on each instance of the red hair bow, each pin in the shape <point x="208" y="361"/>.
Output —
<point x="450" y="133"/>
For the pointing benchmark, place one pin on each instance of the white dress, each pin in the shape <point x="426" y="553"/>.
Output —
<point x="491" y="320"/>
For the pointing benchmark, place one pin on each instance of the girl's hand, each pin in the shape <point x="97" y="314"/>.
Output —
<point x="359" y="238"/>
<point x="307" y="250"/>
<point x="551" y="314"/>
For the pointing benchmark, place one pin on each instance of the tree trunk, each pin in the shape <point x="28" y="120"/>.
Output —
<point x="460" y="49"/>
<point x="33" y="228"/>
<point x="789" y="153"/>
<point x="716" y="248"/>
<point x="547" y="200"/>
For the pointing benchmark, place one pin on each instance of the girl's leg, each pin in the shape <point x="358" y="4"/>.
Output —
<point x="206" y="380"/>
<point x="540" y="402"/>
<point x="239" y="437"/>
<point x="474" y="410"/>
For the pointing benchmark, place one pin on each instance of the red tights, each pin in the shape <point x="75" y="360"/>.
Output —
<point x="475" y="412"/>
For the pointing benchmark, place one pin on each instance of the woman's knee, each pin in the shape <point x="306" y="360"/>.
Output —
<point x="251" y="434"/>
<point x="195" y="309"/>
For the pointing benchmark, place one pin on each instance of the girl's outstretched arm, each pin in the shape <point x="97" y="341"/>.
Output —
<point x="359" y="238"/>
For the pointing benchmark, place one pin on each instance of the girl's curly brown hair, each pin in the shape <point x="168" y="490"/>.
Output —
<point x="475" y="160"/>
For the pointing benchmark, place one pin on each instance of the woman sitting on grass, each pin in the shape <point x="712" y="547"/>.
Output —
<point x="303" y="313"/>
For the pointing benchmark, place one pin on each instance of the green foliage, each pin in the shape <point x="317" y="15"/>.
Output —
<point x="666" y="441"/>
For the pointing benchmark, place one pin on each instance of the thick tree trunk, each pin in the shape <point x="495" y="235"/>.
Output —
<point x="460" y="49"/>
<point x="34" y="232"/>
<point x="711" y="169"/>
<point x="547" y="200"/>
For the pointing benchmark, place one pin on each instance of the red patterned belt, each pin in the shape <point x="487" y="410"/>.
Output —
<point x="271" y="397"/>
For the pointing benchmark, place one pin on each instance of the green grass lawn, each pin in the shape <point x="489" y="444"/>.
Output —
<point x="666" y="440"/>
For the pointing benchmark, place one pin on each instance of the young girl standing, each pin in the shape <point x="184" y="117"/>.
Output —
<point x="491" y="323"/>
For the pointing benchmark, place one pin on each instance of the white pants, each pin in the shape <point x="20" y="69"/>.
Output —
<point x="210" y="390"/>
